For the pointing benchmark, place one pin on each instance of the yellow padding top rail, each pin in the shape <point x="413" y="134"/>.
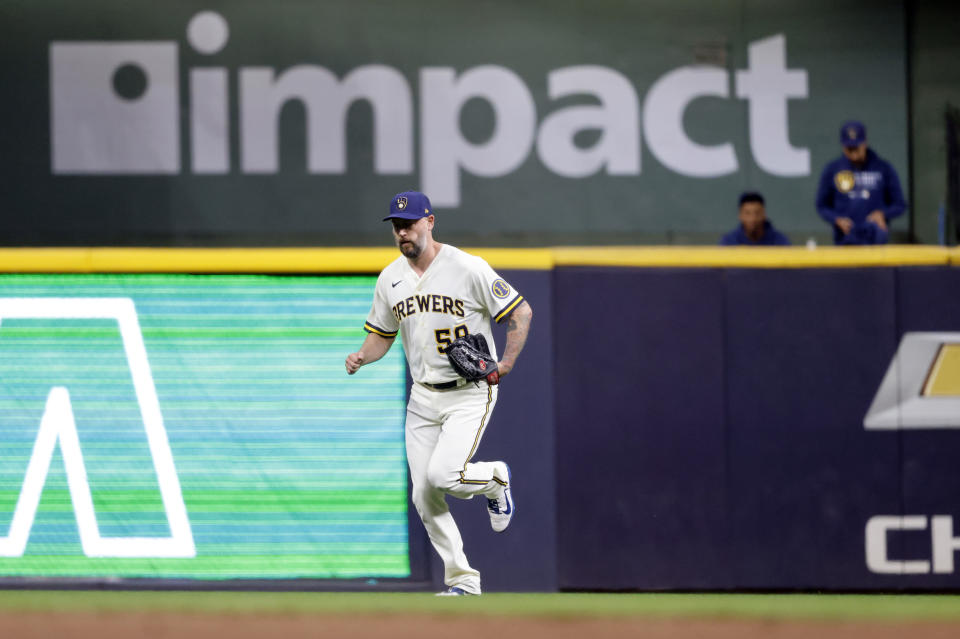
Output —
<point x="236" y="260"/>
<point x="372" y="260"/>
<point x="757" y="257"/>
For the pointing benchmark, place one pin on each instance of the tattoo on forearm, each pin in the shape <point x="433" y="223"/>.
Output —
<point x="518" y="327"/>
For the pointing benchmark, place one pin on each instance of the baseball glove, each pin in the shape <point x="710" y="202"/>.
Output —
<point x="470" y="358"/>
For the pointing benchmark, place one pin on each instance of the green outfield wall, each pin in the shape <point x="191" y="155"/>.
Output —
<point x="934" y="88"/>
<point x="532" y="124"/>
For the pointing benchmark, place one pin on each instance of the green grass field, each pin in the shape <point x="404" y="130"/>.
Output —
<point x="944" y="608"/>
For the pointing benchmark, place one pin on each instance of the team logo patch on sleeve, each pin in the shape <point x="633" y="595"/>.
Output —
<point x="844" y="181"/>
<point x="500" y="289"/>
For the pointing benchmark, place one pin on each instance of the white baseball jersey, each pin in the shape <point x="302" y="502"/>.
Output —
<point x="458" y="294"/>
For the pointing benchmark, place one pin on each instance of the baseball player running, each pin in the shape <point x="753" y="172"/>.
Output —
<point x="433" y="294"/>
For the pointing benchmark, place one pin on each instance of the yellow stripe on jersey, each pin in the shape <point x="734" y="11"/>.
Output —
<point x="508" y="309"/>
<point x="370" y="328"/>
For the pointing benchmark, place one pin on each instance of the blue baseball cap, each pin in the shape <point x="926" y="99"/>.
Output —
<point x="853" y="133"/>
<point x="409" y="205"/>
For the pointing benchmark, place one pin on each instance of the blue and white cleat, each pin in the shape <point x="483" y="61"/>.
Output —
<point x="501" y="507"/>
<point x="453" y="591"/>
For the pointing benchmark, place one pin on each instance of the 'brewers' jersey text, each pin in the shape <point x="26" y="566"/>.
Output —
<point x="457" y="295"/>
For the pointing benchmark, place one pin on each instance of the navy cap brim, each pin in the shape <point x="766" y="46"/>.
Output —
<point x="405" y="216"/>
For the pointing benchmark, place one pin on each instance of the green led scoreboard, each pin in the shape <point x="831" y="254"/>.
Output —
<point x="197" y="427"/>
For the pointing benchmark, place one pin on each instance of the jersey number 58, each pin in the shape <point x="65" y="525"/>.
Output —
<point x="443" y="336"/>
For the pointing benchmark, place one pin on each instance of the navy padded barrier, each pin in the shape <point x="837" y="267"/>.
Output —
<point x="640" y="463"/>
<point x="929" y="300"/>
<point x="703" y="429"/>
<point x="806" y="350"/>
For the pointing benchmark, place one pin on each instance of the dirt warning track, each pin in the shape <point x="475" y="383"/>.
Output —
<point x="161" y="625"/>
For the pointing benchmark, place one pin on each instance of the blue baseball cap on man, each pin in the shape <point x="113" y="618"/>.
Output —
<point x="409" y="205"/>
<point x="853" y="133"/>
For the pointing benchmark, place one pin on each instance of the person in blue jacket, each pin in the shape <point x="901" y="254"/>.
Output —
<point x="754" y="229"/>
<point x="859" y="193"/>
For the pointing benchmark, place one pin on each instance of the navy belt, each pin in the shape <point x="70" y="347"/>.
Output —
<point x="446" y="385"/>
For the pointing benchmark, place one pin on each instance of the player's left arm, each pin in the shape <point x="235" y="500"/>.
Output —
<point x="893" y="199"/>
<point x="518" y="327"/>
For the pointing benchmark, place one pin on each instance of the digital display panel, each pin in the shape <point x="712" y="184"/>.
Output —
<point x="197" y="427"/>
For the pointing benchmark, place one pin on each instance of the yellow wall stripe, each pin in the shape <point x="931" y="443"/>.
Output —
<point x="753" y="257"/>
<point x="373" y="259"/>
<point x="196" y="260"/>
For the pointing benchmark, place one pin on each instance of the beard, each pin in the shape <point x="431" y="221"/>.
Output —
<point x="411" y="250"/>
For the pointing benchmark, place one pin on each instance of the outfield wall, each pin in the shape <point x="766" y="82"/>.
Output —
<point x="543" y="122"/>
<point x="688" y="419"/>
<point x="720" y="436"/>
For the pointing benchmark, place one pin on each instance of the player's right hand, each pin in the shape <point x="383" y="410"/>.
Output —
<point x="354" y="362"/>
<point x="878" y="218"/>
<point x="845" y="224"/>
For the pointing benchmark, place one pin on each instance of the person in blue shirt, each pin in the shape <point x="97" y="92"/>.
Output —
<point x="859" y="193"/>
<point x="754" y="229"/>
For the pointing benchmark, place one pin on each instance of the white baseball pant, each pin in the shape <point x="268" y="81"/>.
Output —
<point x="443" y="431"/>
